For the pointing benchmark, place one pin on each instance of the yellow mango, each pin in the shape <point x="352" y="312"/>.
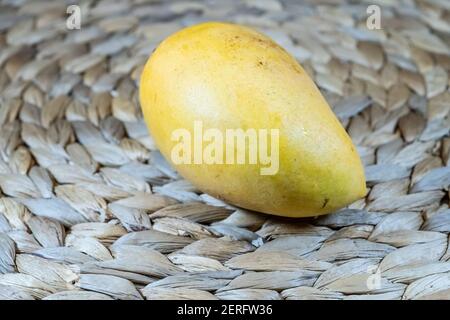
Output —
<point x="223" y="76"/>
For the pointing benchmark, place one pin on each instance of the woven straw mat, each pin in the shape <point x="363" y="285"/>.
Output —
<point x="89" y="209"/>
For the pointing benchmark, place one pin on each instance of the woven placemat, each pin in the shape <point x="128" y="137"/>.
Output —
<point x="90" y="210"/>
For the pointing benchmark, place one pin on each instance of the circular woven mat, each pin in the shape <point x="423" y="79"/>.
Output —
<point x="90" y="210"/>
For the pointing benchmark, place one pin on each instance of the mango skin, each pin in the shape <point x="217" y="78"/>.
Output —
<point x="230" y="76"/>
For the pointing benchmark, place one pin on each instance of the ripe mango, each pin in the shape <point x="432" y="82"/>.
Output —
<point x="224" y="76"/>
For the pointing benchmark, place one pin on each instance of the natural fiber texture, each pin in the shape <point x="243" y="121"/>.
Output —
<point x="90" y="210"/>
